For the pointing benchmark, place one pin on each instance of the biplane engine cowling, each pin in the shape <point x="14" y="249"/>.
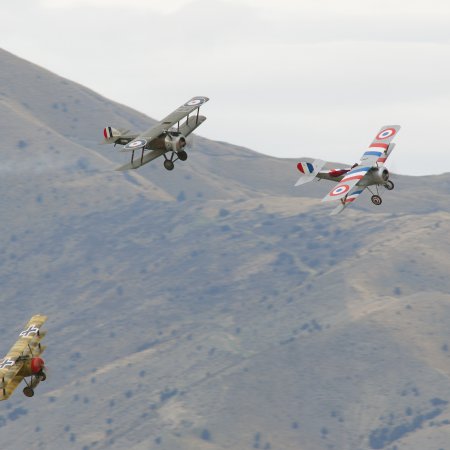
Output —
<point x="174" y="143"/>
<point x="381" y="175"/>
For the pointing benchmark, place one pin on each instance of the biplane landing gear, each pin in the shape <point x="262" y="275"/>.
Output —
<point x="182" y="155"/>
<point x="389" y="185"/>
<point x="168" y="164"/>
<point x="28" y="391"/>
<point x="376" y="200"/>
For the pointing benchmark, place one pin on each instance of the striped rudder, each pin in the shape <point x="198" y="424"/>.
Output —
<point x="308" y="170"/>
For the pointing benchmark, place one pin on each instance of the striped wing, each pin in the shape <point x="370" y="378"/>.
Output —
<point x="351" y="179"/>
<point x="381" y="146"/>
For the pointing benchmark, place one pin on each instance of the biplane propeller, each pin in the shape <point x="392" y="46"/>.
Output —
<point x="162" y="139"/>
<point x="352" y="181"/>
<point x="23" y="361"/>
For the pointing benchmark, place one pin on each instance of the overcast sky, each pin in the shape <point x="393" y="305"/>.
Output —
<point x="288" y="78"/>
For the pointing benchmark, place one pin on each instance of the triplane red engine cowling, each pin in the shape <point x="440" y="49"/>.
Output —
<point x="32" y="366"/>
<point x="37" y="365"/>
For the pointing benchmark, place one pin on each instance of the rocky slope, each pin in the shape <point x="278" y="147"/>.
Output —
<point x="213" y="307"/>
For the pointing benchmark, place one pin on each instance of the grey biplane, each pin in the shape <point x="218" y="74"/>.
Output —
<point x="166" y="138"/>
<point x="23" y="360"/>
<point x="352" y="181"/>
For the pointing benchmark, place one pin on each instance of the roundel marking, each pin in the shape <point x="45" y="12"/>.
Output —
<point x="195" y="101"/>
<point x="388" y="132"/>
<point x="340" y="190"/>
<point x="136" y="144"/>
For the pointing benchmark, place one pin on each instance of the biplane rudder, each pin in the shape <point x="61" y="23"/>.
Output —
<point x="309" y="170"/>
<point x="111" y="135"/>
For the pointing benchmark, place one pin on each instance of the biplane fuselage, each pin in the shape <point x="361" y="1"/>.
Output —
<point x="166" y="137"/>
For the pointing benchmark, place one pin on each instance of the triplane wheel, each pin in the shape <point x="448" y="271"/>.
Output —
<point x="376" y="200"/>
<point x="389" y="185"/>
<point x="28" y="391"/>
<point x="168" y="164"/>
<point x="182" y="155"/>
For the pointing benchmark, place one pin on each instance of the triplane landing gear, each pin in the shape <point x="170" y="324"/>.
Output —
<point x="28" y="391"/>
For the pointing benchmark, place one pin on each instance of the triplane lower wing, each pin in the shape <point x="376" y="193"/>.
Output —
<point x="352" y="181"/>
<point x="23" y="360"/>
<point x="166" y="137"/>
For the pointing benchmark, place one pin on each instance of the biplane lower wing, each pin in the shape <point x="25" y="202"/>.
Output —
<point x="140" y="161"/>
<point x="347" y="200"/>
<point x="186" y="129"/>
<point x="351" y="179"/>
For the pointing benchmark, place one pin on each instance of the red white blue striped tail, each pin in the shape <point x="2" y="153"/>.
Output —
<point x="110" y="133"/>
<point x="309" y="170"/>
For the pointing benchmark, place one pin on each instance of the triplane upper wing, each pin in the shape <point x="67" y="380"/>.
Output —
<point x="160" y="138"/>
<point x="370" y="171"/>
<point x="23" y="360"/>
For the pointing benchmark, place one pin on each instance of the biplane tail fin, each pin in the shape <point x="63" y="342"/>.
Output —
<point x="111" y="135"/>
<point x="309" y="170"/>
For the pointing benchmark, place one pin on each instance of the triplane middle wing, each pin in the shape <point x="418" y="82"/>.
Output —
<point x="370" y="171"/>
<point x="161" y="138"/>
<point x="23" y="360"/>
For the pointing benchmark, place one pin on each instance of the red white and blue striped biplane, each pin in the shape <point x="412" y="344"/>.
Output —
<point x="352" y="181"/>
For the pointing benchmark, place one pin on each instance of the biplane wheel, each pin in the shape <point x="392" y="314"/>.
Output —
<point x="182" y="155"/>
<point x="168" y="164"/>
<point x="376" y="200"/>
<point x="28" y="391"/>
<point x="389" y="185"/>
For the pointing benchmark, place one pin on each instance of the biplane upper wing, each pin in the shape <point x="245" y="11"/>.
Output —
<point x="27" y="344"/>
<point x="165" y="124"/>
<point x="381" y="146"/>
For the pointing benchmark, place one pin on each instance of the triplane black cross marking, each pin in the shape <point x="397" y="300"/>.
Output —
<point x="30" y="331"/>
<point x="6" y="363"/>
